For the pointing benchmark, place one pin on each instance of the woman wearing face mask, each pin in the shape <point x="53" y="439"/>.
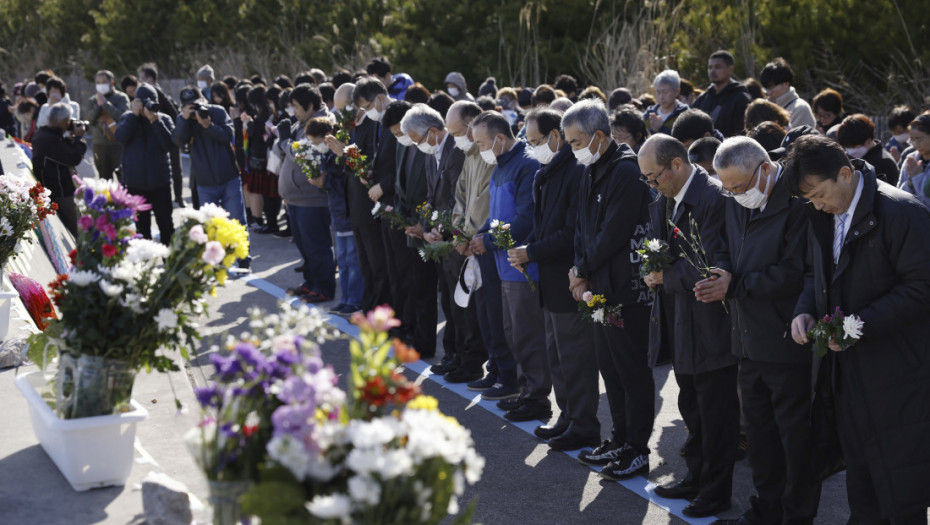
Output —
<point x="857" y="136"/>
<point x="915" y="170"/>
<point x="57" y="92"/>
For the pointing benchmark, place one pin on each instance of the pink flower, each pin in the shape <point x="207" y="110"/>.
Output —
<point x="86" y="222"/>
<point x="102" y="221"/>
<point x="109" y="250"/>
<point x="197" y="235"/>
<point x="122" y="197"/>
<point x="389" y="209"/>
<point x="110" y="231"/>
<point x="505" y="226"/>
<point x="381" y="319"/>
<point x="213" y="253"/>
<point x="587" y="296"/>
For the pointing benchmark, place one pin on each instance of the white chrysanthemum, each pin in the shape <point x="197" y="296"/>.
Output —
<point x="291" y="454"/>
<point x="190" y="213"/>
<point x="83" y="277"/>
<point x="374" y="433"/>
<point x="334" y="506"/>
<point x="166" y="320"/>
<point x="124" y="272"/>
<point x="453" y="507"/>
<point x="6" y="229"/>
<point x="211" y="210"/>
<point x="132" y="301"/>
<point x="364" y="489"/>
<point x="598" y="315"/>
<point x="110" y="289"/>
<point x="396" y="463"/>
<point x="474" y="466"/>
<point x="654" y="245"/>
<point x="435" y="216"/>
<point x="852" y="326"/>
<point x="495" y="223"/>
<point x="364" y="460"/>
<point x="145" y="251"/>
<point x="376" y="209"/>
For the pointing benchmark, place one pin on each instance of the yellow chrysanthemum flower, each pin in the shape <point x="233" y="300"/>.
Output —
<point x="221" y="276"/>
<point x="423" y="403"/>
<point x="596" y="300"/>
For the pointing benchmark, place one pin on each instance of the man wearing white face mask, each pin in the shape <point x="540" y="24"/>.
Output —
<point x="456" y="87"/>
<point x="103" y="111"/>
<point x="612" y="217"/>
<point x="761" y="274"/>
<point x="205" y="79"/>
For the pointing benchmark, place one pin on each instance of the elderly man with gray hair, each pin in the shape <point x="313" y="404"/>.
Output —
<point x="661" y="117"/>
<point x="761" y="274"/>
<point x="57" y="148"/>
<point x="103" y="111"/>
<point x="612" y="217"/>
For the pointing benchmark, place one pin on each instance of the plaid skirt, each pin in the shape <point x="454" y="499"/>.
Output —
<point x="261" y="182"/>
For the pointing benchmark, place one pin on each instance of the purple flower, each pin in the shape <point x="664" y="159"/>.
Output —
<point x="227" y="368"/>
<point x="292" y="419"/>
<point x="122" y="197"/>
<point x="296" y="390"/>
<point x="119" y="215"/>
<point x="86" y="222"/>
<point x="227" y="430"/>
<point x="208" y="396"/>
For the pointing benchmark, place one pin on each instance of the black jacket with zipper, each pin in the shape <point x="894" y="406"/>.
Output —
<point x="54" y="158"/>
<point x="765" y="255"/>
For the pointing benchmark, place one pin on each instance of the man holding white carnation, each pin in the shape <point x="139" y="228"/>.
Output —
<point x="870" y="250"/>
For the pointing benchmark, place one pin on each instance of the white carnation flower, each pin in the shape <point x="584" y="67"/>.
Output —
<point x="333" y="506"/>
<point x="376" y="209"/>
<point x="110" y="289"/>
<point x="291" y="453"/>
<point x="852" y="326"/>
<point x="211" y="210"/>
<point x="83" y="277"/>
<point x="598" y="315"/>
<point x="364" y="489"/>
<point x="166" y="319"/>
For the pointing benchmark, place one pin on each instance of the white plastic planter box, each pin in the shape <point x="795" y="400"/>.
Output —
<point x="90" y="452"/>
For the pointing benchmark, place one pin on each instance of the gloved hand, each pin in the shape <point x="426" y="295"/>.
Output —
<point x="284" y="130"/>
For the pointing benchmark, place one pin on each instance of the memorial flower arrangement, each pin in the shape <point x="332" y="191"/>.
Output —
<point x="594" y="308"/>
<point x="844" y="330"/>
<point x="22" y="205"/>
<point x="656" y="256"/>
<point x="358" y="163"/>
<point x="386" y="456"/>
<point x="309" y="162"/>
<point x="125" y="297"/>
<point x="502" y="239"/>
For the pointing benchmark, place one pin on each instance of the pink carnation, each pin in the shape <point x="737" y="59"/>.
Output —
<point x="197" y="235"/>
<point x="587" y="296"/>
<point x="213" y="253"/>
<point x="86" y="222"/>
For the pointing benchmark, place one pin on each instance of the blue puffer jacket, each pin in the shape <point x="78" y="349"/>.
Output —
<point x="335" y="185"/>
<point x="145" y="164"/>
<point x="511" y="189"/>
<point x="213" y="161"/>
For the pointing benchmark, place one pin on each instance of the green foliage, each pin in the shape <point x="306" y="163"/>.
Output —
<point x="864" y="49"/>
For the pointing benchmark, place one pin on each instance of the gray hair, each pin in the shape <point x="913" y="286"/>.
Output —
<point x="105" y="73"/>
<point x="561" y="104"/>
<point x="589" y="115"/>
<point x="420" y="119"/>
<point x="465" y="109"/>
<point x="670" y="78"/>
<point x="741" y="152"/>
<point x="59" y="113"/>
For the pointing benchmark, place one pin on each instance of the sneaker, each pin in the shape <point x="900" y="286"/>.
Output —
<point x="299" y="291"/>
<point x="628" y="464"/>
<point x="350" y="309"/>
<point x="499" y="391"/>
<point x="510" y="404"/>
<point x="282" y="234"/>
<point x="314" y="297"/>
<point x="601" y="455"/>
<point x="336" y="309"/>
<point x="482" y="384"/>
<point x="299" y="269"/>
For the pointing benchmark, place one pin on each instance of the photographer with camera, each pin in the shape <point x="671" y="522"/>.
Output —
<point x="145" y="133"/>
<point x="57" y="148"/>
<point x="208" y="130"/>
<point x="103" y="111"/>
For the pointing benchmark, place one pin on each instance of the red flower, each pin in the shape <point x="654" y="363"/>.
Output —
<point x="57" y="287"/>
<point x="248" y="430"/>
<point x="73" y="256"/>
<point x="677" y="232"/>
<point x="375" y="392"/>
<point x="109" y="250"/>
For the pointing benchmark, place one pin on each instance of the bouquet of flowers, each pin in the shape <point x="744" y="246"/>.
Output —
<point x="844" y="330"/>
<point x="358" y="163"/>
<point x="656" y="257"/>
<point x="504" y="241"/>
<point x="345" y="125"/>
<point x="459" y="237"/>
<point x="22" y="205"/>
<point x="695" y="253"/>
<point x="126" y="297"/>
<point x="390" y="214"/>
<point x="594" y="308"/>
<point x="389" y="456"/>
<point x="310" y="163"/>
<point x="435" y="251"/>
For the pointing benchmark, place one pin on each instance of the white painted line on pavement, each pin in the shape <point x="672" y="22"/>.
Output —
<point x="638" y="485"/>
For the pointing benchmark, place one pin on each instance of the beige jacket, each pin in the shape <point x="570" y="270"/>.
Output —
<point x="472" y="198"/>
<point x="801" y="114"/>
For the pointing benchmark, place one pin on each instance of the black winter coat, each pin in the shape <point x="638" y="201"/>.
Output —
<point x="700" y="332"/>
<point x="727" y="108"/>
<point x="54" y="158"/>
<point x="882" y="276"/>
<point x="552" y="244"/>
<point x="612" y="217"/>
<point x="886" y="169"/>
<point x="359" y="204"/>
<point x="384" y="165"/>
<point x="146" y="163"/>
<point x="765" y="255"/>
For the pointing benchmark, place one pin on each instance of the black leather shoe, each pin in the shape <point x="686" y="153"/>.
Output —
<point x="510" y="404"/>
<point x="529" y="411"/>
<point x="549" y="431"/>
<point x="443" y="367"/>
<point x="570" y="440"/>
<point x="462" y="375"/>
<point x="701" y="508"/>
<point x="680" y="490"/>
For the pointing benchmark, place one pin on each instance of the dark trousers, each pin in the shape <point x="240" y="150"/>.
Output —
<point x="621" y="359"/>
<point x="522" y="322"/>
<point x="107" y="157"/>
<point x="470" y="350"/>
<point x="395" y="263"/>
<point x="310" y="227"/>
<point x="419" y="299"/>
<point x="777" y="408"/>
<point x="160" y="199"/>
<point x="67" y="213"/>
<point x="489" y="307"/>
<point x="710" y="409"/>
<point x="371" y="259"/>
<point x="450" y="336"/>
<point x="573" y="369"/>
<point x="177" y="177"/>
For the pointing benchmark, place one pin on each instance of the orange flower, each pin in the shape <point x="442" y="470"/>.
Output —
<point x="404" y="353"/>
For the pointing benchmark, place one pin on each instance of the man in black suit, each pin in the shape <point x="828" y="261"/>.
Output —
<point x="760" y="272"/>
<point x="569" y="338"/>
<point x="464" y="349"/>
<point x="697" y="334"/>
<point x="870" y="249"/>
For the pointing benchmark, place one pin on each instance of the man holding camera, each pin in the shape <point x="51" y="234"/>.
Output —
<point x="209" y="131"/>
<point x="57" y="148"/>
<point x="145" y="134"/>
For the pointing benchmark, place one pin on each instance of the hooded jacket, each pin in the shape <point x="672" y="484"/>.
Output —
<point x="801" y="114"/>
<point x="146" y="145"/>
<point x="458" y="80"/>
<point x="42" y="120"/>
<point x="727" y="108"/>
<point x="213" y="161"/>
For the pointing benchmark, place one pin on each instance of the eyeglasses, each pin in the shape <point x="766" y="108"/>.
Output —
<point x="625" y="138"/>
<point x="914" y="141"/>
<point x="749" y="184"/>
<point x="653" y="182"/>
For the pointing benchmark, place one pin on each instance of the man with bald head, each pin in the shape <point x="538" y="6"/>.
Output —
<point x="697" y="334"/>
<point x="342" y="99"/>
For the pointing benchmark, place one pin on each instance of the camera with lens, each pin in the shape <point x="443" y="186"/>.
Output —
<point x="151" y="105"/>
<point x="78" y="124"/>
<point x="202" y="110"/>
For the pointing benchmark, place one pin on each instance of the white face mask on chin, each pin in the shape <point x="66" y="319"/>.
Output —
<point x="488" y="154"/>
<point x="754" y="198"/>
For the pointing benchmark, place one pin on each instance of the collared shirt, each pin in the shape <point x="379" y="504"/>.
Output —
<point x="438" y="153"/>
<point x="777" y="176"/>
<point x="683" y="191"/>
<point x="851" y="211"/>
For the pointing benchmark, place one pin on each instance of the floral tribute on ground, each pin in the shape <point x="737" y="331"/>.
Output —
<point x="22" y="205"/>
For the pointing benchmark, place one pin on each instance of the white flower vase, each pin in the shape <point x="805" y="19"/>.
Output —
<point x="7" y="295"/>
<point x="90" y="452"/>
